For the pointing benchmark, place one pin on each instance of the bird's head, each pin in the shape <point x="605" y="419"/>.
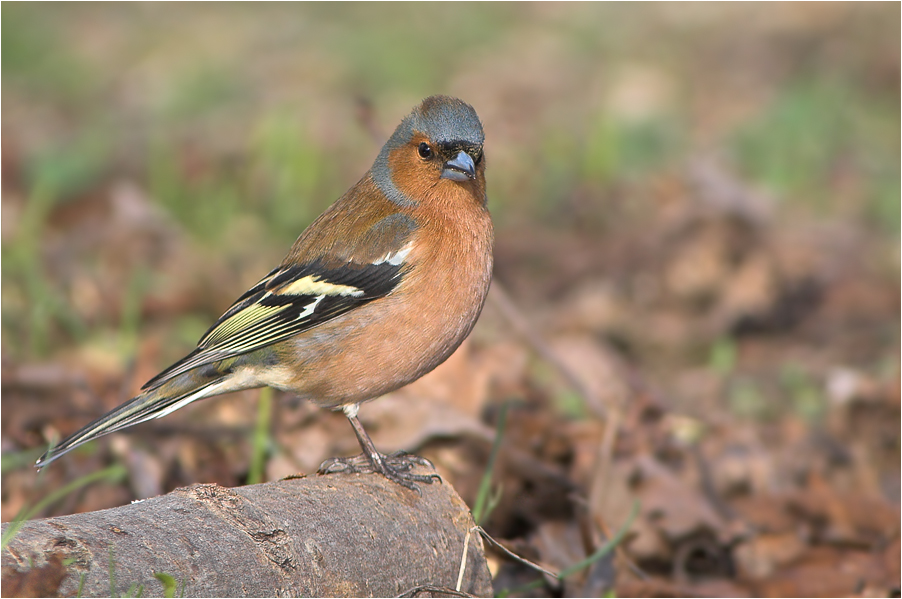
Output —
<point x="436" y="151"/>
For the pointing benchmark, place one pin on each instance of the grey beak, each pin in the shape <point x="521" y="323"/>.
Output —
<point x="459" y="168"/>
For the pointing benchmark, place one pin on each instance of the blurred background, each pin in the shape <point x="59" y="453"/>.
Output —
<point x="697" y="283"/>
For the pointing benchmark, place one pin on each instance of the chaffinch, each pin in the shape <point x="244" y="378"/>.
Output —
<point x="378" y="291"/>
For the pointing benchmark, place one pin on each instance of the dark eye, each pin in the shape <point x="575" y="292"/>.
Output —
<point x="424" y="151"/>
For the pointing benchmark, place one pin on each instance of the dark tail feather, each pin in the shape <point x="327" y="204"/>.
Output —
<point x="147" y="406"/>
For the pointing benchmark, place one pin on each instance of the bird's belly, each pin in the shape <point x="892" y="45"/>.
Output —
<point x="387" y="345"/>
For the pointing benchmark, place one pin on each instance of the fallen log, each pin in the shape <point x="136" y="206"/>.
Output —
<point x="334" y="535"/>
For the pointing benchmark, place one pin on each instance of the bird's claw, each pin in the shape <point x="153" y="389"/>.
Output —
<point x="396" y="467"/>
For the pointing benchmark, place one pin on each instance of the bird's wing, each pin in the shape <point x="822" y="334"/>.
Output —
<point x="296" y="297"/>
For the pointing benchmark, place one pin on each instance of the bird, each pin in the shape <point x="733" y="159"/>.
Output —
<point x="379" y="290"/>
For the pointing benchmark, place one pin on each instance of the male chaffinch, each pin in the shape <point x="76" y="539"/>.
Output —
<point x="378" y="291"/>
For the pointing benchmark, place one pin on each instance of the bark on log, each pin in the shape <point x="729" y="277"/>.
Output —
<point x="335" y="535"/>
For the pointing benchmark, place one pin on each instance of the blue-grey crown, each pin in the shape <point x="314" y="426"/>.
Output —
<point x="445" y="120"/>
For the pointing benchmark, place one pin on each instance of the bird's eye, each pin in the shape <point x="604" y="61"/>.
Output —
<point x="424" y="151"/>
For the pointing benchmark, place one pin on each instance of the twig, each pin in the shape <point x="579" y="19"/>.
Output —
<point x="513" y="555"/>
<point x="463" y="560"/>
<point x="499" y="297"/>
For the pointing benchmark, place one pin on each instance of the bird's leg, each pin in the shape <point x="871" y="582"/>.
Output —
<point x="395" y="467"/>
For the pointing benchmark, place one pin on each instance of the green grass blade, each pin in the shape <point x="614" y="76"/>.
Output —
<point x="260" y="441"/>
<point x="170" y="586"/>
<point x="607" y="547"/>
<point x="111" y="474"/>
<point x="600" y="553"/>
<point x="112" y="574"/>
<point x="485" y="485"/>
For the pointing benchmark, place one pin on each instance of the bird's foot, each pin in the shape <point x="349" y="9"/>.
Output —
<point x="395" y="467"/>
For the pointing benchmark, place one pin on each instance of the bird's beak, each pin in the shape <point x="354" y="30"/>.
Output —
<point x="459" y="168"/>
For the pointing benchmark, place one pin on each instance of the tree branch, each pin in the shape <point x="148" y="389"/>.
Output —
<point x="335" y="535"/>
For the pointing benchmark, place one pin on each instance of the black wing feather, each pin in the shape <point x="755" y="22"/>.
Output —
<point x="263" y="316"/>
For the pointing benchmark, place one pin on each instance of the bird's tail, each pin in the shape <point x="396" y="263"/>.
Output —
<point x="151" y="403"/>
